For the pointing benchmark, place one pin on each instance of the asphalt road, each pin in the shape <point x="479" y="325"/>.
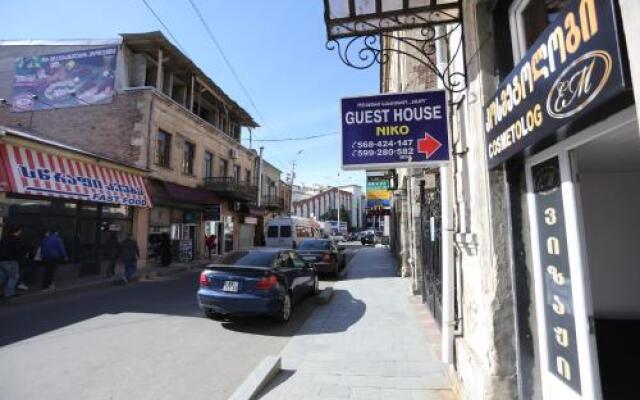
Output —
<point x="147" y="340"/>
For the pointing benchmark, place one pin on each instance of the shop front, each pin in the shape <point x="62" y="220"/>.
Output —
<point x="182" y="222"/>
<point x="564" y="127"/>
<point x="88" y="200"/>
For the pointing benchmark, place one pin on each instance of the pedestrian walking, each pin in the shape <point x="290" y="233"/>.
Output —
<point x="130" y="253"/>
<point x="112" y="252"/>
<point x="53" y="252"/>
<point x="165" y="250"/>
<point x="11" y="253"/>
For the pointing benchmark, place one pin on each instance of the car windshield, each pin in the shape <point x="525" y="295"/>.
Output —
<point x="254" y="258"/>
<point x="314" y="245"/>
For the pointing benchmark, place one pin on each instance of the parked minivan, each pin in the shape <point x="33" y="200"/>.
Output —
<point x="287" y="232"/>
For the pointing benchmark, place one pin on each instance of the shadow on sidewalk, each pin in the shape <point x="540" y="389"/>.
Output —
<point x="341" y="313"/>
<point x="276" y="381"/>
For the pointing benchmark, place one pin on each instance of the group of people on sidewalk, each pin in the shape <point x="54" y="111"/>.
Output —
<point x="18" y="259"/>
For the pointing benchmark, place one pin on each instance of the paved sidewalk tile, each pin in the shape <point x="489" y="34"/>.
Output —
<point x="368" y="343"/>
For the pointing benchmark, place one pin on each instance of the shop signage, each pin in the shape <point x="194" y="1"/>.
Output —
<point x="395" y="130"/>
<point x="191" y="217"/>
<point x="574" y="67"/>
<point x="378" y="193"/>
<point x="559" y="315"/>
<point x="251" y="220"/>
<point x="212" y="212"/>
<point x="36" y="172"/>
<point x="185" y="250"/>
<point x="72" y="79"/>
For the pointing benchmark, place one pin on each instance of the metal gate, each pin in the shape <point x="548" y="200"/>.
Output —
<point x="431" y="224"/>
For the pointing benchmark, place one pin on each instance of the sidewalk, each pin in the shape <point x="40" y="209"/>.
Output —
<point x="367" y="343"/>
<point x="90" y="282"/>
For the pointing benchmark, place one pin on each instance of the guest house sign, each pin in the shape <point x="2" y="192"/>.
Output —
<point x="573" y="67"/>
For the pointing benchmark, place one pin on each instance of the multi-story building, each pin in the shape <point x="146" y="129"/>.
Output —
<point x="528" y="262"/>
<point x="325" y="203"/>
<point x="144" y="104"/>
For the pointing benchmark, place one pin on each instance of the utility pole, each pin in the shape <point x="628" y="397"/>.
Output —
<point x="293" y="177"/>
<point x="338" y="194"/>
<point x="259" y="202"/>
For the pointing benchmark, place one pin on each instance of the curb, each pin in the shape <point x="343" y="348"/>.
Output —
<point x="258" y="378"/>
<point x="36" y="296"/>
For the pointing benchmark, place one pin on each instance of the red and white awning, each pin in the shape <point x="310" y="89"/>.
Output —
<point x="37" y="172"/>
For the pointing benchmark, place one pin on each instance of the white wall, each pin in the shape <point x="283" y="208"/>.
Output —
<point x="611" y="210"/>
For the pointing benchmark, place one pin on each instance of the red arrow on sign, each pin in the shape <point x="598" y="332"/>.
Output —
<point x="429" y="145"/>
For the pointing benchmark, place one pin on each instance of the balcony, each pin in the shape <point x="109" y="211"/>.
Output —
<point x="231" y="188"/>
<point x="272" y="202"/>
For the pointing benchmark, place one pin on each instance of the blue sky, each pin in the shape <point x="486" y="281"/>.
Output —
<point x="277" y="47"/>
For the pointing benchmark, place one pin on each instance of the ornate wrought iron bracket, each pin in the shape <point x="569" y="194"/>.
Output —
<point x="362" y="50"/>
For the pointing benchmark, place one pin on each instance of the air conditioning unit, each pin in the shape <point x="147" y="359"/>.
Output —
<point x="233" y="153"/>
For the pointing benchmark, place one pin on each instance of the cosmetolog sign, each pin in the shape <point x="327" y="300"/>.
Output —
<point x="395" y="130"/>
<point x="573" y="67"/>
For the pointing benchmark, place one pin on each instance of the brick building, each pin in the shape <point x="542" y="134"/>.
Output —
<point x="166" y="117"/>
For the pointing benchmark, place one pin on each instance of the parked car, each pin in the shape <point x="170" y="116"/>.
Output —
<point x="326" y="255"/>
<point x="265" y="281"/>
<point x="368" y="237"/>
<point x="287" y="232"/>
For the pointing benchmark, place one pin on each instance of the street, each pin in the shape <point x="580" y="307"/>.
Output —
<point x="147" y="340"/>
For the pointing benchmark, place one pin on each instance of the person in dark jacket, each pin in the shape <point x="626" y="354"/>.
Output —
<point x="165" y="250"/>
<point x="129" y="253"/>
<point x="53" y="252"/>
<point x="112" y="252"/>
<point x="11" y="254"/>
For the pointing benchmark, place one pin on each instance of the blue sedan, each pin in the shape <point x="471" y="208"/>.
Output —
<point x="264" y="281"/>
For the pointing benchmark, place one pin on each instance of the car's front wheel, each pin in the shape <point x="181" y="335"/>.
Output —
<point x="284" y="314"/>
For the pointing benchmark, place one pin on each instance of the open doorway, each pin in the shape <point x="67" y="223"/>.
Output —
<point x="608" y="175"/>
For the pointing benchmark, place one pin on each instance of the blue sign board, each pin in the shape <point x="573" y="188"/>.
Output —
<point x="395" y="130"/>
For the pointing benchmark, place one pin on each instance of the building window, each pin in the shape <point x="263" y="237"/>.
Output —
<point x="188" y="154"/>
<point x="528" y="18"/>
<point x="163" y="149"/>
<point x="247" y="177"/>
<point x="224" y="168"/>
<point x="236" y="173"/>
<point x="208" y="164"/>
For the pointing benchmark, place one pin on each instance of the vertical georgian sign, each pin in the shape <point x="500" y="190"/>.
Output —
<point x="559" y="315"/>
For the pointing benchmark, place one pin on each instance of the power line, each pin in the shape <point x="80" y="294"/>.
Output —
<point x="166" y="28"/>
<point x="226" y="60"/>
<point x="235" y="74"/>
<point x="296" y="138"/>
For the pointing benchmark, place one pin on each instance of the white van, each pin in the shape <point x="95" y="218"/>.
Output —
<point x="287" y="232"/>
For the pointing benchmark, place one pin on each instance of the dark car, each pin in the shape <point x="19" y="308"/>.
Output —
<point x="264" y="281"/>
<point x="368" y="238"/>
<point x="325" y="254"/>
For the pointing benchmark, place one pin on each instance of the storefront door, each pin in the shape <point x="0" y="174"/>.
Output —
<point x="563" y="255"/>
